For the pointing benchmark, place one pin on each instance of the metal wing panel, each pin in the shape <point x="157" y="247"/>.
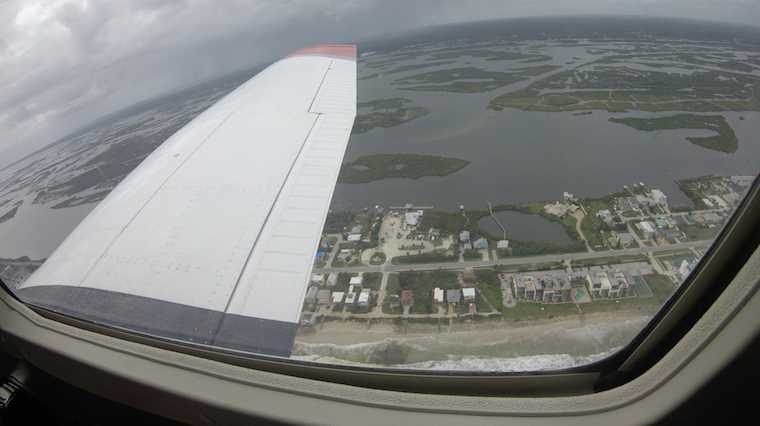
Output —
<point x="191" y="240"/>
<point x="224" y="217"/>
<point x="281" y="261"/>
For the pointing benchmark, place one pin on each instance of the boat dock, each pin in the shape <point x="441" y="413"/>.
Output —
<point x="490" y="210"/>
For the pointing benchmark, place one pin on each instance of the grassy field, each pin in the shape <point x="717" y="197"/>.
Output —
<point x="610" y="260"/>
<point x="725" y="141"/>
<point x="700" y="232"/>
<point x="382" y="166"/>
<point x="380" y="261"/>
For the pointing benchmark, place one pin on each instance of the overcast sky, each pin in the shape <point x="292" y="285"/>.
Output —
<point x="66" y="63"/>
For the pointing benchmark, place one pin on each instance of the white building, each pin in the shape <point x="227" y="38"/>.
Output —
<point x="412" y="218"/>
<point x="659" y="197"/>
<point x="469" y="294"/>
<point x="744" y="181"/>
<point x="503" y="244"/>
<point x="438" y="296"/>
<point x="647" y="228"/>
<point x="364" y="298"/>
<point x="350" y="299"/>
<point x="356" y="281"/>
<point x="337" y="296"/>
<point x="318" y="279"/>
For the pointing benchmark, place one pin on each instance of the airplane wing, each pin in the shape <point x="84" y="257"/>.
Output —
<point x="212" y="238"/>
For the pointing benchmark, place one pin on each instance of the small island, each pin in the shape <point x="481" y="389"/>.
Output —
<point x="725" y="140"/>
<point x="386" y="113"/>
<point x="381" y="166"/>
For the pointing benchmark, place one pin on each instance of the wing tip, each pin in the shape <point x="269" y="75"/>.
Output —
<point x="338" y="50"/>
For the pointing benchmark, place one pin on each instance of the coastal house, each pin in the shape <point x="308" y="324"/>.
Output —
<point x="712" y="218"/>
<point x="659" y="197"/>
<point x="332" y="279"/>
<point x="311" y="294"/>
<point x="605" y="216"/>
<point x="325" y="242"/>
<point x="480" y="244"/>
<point x="364" y="298"/>
<point x="732" y="197"/>
<point x="350" y="299"/>
<point x="464" y="237"/>
<point x="625" y="238"/>
<point x="323" y="297"/>
<point x="671" y="233"/>
<point x="503" y="244"/>
<point x="395" y="301"/>
<point x="438" y="297"/>
<point x="337" y="296"/>
<point x="356" y="281"/>
<point x="647" y="229"/>
<point x="453" y="296"/>
<point x="468" y="276"/>
<point x="318" y="279"/>
<point x="469" y="294"/>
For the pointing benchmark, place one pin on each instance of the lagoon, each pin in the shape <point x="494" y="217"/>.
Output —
<point x="525" y="227"/>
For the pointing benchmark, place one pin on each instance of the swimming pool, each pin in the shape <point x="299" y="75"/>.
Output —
<point x="579" y="294"/>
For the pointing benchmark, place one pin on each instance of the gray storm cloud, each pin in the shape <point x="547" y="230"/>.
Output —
<point x="65" y="63"/>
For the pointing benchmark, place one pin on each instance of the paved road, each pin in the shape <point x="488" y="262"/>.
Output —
<point x="520" y="260"/>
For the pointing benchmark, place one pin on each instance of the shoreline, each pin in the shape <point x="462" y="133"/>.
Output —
<point x="355" y="332"/>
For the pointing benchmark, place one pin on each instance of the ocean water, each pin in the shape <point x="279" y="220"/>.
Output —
<point x="520" y="351"/>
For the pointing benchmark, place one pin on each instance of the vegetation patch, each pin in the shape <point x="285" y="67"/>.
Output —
<point x="620" y="88"/>
<point x="12" y="212"/>
<point x="471" y="79"/>
<point x="725" y="141"/>
<point x="337" y="221"/>
<point x="382" y="166"/>
<point x="386" y="113"/>
<point x="404" y="68"/>
<point x="78" y="201"/>
<point x="423" y="283"/>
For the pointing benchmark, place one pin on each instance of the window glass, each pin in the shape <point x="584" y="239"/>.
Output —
<point x="516" y="195"/>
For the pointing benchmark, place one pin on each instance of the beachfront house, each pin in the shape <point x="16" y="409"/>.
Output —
<point x="323" y="297"/>
<point x="453" y="296"/>
<point x="364" y="298"/>
<point x="438" y="296"/>
<point x="311" y="294"/>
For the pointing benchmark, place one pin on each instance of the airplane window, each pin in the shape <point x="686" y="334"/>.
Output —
<point x="516" y="195"/>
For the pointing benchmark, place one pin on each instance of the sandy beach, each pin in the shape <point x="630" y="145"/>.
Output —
<point x="355" y="332"/>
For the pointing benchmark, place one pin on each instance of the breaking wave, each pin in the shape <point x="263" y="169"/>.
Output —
<point x="545" y="350"/>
